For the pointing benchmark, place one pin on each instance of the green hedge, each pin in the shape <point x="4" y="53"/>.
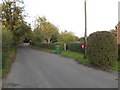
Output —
<point x="61" y="44"/>
<point x="76" y="47"/>
<point x="102" y="49"/>
<point x="7" y="40"/>
<point x="43" y="45"/>
<point x="119" y="52"/>
<point x="7" y="46"/>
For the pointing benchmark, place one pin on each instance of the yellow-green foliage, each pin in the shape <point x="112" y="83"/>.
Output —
<point x="7" y="46"/>
<point x="67" y="37"/>
<point x="7" y="40"/>
<point x="45" y="30"/>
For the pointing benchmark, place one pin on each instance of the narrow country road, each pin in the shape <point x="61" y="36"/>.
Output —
<point x="36" y="69"/>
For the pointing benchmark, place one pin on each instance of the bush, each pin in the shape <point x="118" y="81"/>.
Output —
<point x="102" y="49"/>
<point x="7" y="40"/>
<point x="119" y="52"/>
<point x="61" y="44"/>
<point x="43" y="45"/>
<point x="76" y="47"/>
<point x="7" y="46"/>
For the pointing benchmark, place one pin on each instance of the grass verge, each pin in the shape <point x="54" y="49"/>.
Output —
<point x="7" y="60"/>
<point x="116" y="67"/>
<point x="77" y="56"/>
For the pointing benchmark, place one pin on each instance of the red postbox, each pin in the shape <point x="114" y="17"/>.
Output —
<point x="83" y="45"/>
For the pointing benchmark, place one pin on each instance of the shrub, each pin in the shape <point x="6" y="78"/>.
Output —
<point x="76" y="47"/>
<point x="61" y="44"/>
<point x="7" y="40"/>
<point x="119" y="52"/>
<point x="43" y="45"/>
<point x="7" y="45"/>
<point x="102" y="49"/>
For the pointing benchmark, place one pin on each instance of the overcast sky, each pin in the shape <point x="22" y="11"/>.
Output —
<point x="69" y="14"/>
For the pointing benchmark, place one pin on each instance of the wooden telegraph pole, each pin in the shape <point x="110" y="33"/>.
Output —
<point x="85" y="54"/>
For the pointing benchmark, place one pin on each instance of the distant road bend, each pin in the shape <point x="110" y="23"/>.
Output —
<point x="36" y="69"/>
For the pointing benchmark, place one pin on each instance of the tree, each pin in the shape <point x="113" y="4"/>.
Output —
<point x="12" y="14"/>
<point x="38" y="32"/>
<point x="38" y="35"/>
<point x="45" y="30"/>
<point x="22" y="31"/>
<point x="67" y="37"/>
<point x="55" y="37"/>
<point x="13" y="19"/>
<point x="49" y="30"/>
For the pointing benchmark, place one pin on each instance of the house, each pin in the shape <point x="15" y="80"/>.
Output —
<point x="118" y="32"/>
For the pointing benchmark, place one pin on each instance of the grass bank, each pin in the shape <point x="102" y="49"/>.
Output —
<point x="77" y="56"/>
<point x="7" y="60"/>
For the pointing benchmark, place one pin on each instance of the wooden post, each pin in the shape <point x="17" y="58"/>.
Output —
<point x="85" y="54"/>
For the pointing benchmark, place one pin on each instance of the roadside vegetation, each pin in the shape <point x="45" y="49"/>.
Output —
<point x="8" y="59"/>
<point x="14" y="30"/>
<point x="102" y="50"/>
<point x="0" y="49"/>
<point x="102" y="47"/>
<point x="0" y="73"/>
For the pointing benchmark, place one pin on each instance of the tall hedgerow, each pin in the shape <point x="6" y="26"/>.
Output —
<point x="76" y="47"/>
<point x="102" y="49"/>
<point x="7" y="45"/>
<point x="7" y="40"/>
<point x="43" y="45"/>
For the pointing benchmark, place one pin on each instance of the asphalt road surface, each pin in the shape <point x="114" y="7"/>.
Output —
<point x="36" y="69"/>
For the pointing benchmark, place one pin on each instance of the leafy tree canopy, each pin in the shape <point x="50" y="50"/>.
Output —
<point x="45" y="30"/>
<point x="67" y="37"/>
